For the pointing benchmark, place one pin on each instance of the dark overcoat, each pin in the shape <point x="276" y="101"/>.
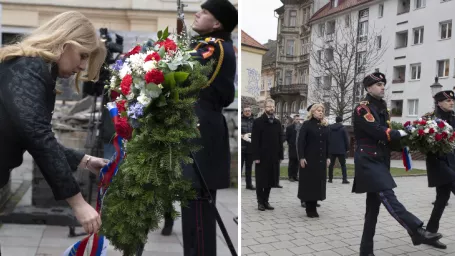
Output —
<point x="267" y="147"/>
<point x="314" y="148"/>
<point x="291" y="137"/>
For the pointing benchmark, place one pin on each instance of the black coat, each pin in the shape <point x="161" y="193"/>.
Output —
<point x="314" y="148"/>
<point x="267" y="146"/>
<point x="339" y="141"/>
<point x="246" y="127"/>
<point x="291" y="139"/>
<point x="441" y="168"/>
<point x="27" y="99"/>
<point x="372" y="156"/>
<point x="214" y="159"/>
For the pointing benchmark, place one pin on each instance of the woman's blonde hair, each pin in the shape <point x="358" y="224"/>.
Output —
<point x="310" y="113"/>
<point x="47" y="42"/>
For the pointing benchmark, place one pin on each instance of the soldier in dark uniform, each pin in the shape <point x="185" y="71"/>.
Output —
<point x="373" y="136"/>
<point x="246" y="156"/>
<point x="441" y="168"/>
<point x="214" y="24"/>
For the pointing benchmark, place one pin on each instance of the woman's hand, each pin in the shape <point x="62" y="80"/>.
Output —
<point x="328" y="162"/>
<point x="93" y="164"/>
<point x="85" y="214"/>
<point x="303" y="163"/>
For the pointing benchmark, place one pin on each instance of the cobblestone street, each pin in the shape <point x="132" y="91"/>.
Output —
<point x="287" y="230"/>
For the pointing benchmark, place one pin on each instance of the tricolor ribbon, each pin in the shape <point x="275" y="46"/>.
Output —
<point x="99" y="245"/>
<point x="407" y="160"/>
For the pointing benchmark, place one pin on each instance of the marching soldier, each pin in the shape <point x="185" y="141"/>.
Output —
<point x="214" y="23"/>
<point x="373" y="136"/>
<point x="441" y="169"/>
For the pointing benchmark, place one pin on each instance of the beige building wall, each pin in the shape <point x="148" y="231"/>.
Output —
<point x="251" y="71"/>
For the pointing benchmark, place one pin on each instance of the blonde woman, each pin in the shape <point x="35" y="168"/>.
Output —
<point x="314" y="158"/>
<point x="65" y="46"/>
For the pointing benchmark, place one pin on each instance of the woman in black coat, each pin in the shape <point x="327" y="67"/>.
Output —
<point x="62" y="47"/>
<point x="313" y="151"/>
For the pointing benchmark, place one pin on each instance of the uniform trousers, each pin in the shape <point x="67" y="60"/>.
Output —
<point x="442" y="197"/>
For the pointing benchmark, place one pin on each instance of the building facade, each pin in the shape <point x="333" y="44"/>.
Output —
<point x="416" y="39"/>
<point x="268" y="72"/>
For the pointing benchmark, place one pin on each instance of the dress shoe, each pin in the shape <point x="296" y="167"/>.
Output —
<point x="296" y="179"/>
<point x="422" y="236"/>
<point x="250" y="187"/>
<point x="291" y="179"/>
<point x="437" y="244"/>
<point x="309" y="214"/>
<point x="268" y="206"/>
<point x="261" y="207"/>
<point x="303" y="204"/>
<point x="167" y="229"/>
<point x="329" y="181"/>
<point x="279" y="186"/>
<point x="345" y="182"/>
<point x="318" y="205"/>
<point x="316" y="214"/>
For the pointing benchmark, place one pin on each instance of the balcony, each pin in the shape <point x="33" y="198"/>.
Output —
<point x="290" y="29"/>
<point x="300" y="89"/>
<point x="293" y="59"/>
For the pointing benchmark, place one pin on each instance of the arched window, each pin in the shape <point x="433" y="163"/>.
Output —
<point x="278" y="108"/>
<point x="302" y="105"/>
<point x="294" y="109"/>
<point x="285" y="109"/>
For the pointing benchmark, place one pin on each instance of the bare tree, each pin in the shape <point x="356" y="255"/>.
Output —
<point x="339" y="58"/>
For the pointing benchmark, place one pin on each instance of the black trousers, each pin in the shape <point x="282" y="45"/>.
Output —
<point x="406" y="219"/>
<point x="263" y="195"/>
<point x="248" y="160"/>
<point x="293" y="167"/>
<point x="442" y="197"/>
<point x="199" y="226"/>
<point x="342" y="160"/>
<point x="311" y="206"/>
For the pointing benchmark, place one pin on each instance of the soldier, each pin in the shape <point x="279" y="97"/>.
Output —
<point x="373" y="136"/>
<point x="441" y="169"/>
<point x="246" y="156"/>
<point x="214" y="24"/>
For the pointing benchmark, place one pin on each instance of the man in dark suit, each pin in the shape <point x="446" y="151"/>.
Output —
<point x="372" y="166"/>
<point x="441" y="168"/>
<point x="246" y="157"/>
<point x="338" y="146"/>
<point x="267" y="146"/>
<point x="291" y="137"/>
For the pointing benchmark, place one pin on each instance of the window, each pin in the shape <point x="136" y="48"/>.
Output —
<point x="445" y="29"/>
<point x="401" y="39"/>
<point x="288" y="77"/>
<point x="403" y="6"/>
<point x="363" y="13"/>
<point x="327" y="82"/>
<point x="302" y="105"/>
<point x="334" y="3"/>
<point x="318" y="82"/>
<point x="304" y="47"/>
<point x="327" y="108"/>
<point x="292" y="18"/>
<point x="305" y="76"/>
<point x="359" y="92"/>
<point x="330" y="27"/>
<point x="328" y="54"/>
<point x="294" y="107"/>
<point x="290" y="48"/>
<point x="416" y="69"/>
<point x="361" y="61"/>
<point x="419" y="4"/>
<point x="443" y="68"/>
<point x="319" y="53"/>
<point x="347" y="20"/>
<point x="379" y="42"/>
<point x="285" y="108"/>
<point x="363" y="31"/>
<point x="321" y="29"/>
<point x="262" y="84"/>
<point x="418" y="35"/>
<point x="278" y="108"/>
<point x="381" y="11"/>
<point x="397" y="108"/>
<point x="413" y="107"/>
<point x="399" y="74"/>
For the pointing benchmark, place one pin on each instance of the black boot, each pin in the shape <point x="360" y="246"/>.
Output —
<point x="329" y="181"/>
<point x="303" y="204"/>
<point x="422" y="236"/>
<point x="296" y="178"/>
<point x="168" y="224"/>
<point x="268" y="206"/>
<point x="437" y="244"/>
<point x="345" y="182"/>
<point x="261" y="207"/>
<point x="250" y="187"/>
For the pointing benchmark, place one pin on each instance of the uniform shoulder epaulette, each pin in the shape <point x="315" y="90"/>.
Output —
<point x="213" y="40"/>
<point x="365" y="102"/>
<point x="364" y="105"/>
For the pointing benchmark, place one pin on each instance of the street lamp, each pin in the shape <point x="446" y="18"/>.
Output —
<point x="436" y="87"/>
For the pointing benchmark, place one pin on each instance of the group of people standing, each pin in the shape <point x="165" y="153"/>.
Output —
<point x="314" y="146"/>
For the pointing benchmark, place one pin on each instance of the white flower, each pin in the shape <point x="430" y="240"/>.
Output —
<point x="124" y="71"/>
<point x="113" y="82"/>
<point x="143" y="99"/>
<point x="130" y="96"/>
<point x="136" y="62"/>
<point x="426" y="130"/>
<point x="160" y="86"/>
<point x="149" y="65"/>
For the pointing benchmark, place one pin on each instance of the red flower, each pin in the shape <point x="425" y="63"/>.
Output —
<point x="415" y="122"/>
<point x="407" y="123"/>
<point x="123" y="128"/>
<point x="441" y="125"/>
<point x="125" y="85"/>
<point x="423" y="122"/>
<point x="135" y="50"/>
<point x="121" y="106"/>
<point x="431" y="131"/>
<point x="168" y="44"/>
<point x="153" y="56"/>
<point x="444" y="135"/>
<point x="438" y="137"/>
<point x="114" y="95"/>
<point x="451" y="139"/>
<point x="154" y="76"/>
<point x="421" y="132"/>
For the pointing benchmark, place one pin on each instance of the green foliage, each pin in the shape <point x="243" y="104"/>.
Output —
<point x="150" y="178"/>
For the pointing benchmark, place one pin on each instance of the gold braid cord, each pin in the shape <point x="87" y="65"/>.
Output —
<point x="218" y="66"/>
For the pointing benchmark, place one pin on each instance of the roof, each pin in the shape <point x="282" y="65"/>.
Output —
<point x="270" y="56"/>
<point x="247" y="40"/>
<point x="343" y="5"/>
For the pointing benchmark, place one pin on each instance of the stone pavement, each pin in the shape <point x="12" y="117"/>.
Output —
<point x="44" y="240"/>
<point x="287" y="231"/>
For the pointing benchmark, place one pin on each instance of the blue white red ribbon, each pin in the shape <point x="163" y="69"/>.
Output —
<point x="99" y="245"/>
<point x="407" y="160"/>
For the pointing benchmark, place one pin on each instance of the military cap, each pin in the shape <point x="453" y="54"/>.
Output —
<point x="224" y="12"/>
<point x="443" y="95"/>
<point x="371" y="79"/>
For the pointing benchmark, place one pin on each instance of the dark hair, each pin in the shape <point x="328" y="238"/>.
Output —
<point x="339" y="119"/>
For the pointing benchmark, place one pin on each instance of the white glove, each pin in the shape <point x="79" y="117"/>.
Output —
<point x="246" y="137"/>
<point x="403" y="133"/>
